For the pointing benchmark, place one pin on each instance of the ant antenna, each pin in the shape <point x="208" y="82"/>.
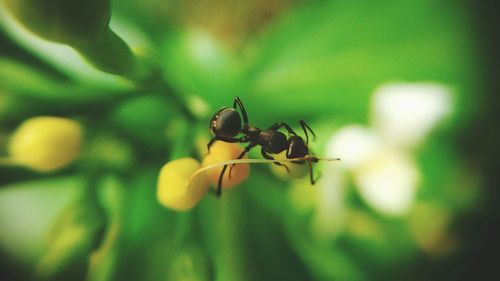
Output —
<point x="237" y="101"/>
<point x="304" y="126"/>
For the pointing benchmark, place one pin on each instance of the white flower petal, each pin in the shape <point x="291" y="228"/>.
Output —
<point x="388" y="183"/>
<point x="354" y="144"/>
<point x="329" y="217"/>
<point x="405" y="113"/>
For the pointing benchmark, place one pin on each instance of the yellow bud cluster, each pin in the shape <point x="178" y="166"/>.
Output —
<point x="45" y="143"/>
<point x="220" y="152"/>
<point x="177" y="189"/>
<point x="182" y="183"/>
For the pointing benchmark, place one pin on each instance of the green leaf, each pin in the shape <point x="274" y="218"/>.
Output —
<point x="327" y="58"/>
<point x="20" y="79"/>
<point x="111" y="54"/>
<point x="196" y="63"/>
<point x="80" y="24"/>
<point x="146" y="118"/>
<point x="78" y="231"/>
<point x="26" y="210"/>
<point x="62" y="57"/>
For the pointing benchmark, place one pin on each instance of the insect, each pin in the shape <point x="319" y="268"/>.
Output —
<point x="226" y="125"/>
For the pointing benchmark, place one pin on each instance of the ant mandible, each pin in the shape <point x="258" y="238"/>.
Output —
<point x="226" y="125"/>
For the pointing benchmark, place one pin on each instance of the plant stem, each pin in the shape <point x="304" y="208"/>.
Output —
<point x="183" y="228"/>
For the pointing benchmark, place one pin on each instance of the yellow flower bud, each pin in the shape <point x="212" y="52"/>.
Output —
<point x="220" y="152"/>
<point x="45" y="143"/>
<point x="177" y="189"/>
<point x="295" y="170"/>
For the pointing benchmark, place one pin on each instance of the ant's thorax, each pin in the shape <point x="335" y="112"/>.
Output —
<point x="257" y="135"/>
<point x="251" y="131"/>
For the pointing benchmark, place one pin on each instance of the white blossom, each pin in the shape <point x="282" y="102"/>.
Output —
<point x="403" y="114"/>
<point x="379" y="157"/>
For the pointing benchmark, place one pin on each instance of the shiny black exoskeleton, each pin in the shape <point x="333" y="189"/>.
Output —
<point x="226" y="125"/>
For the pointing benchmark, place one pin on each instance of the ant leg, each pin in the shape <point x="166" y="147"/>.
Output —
<point x="230" y="140"/>
<point x="240" y="140"/>
<point x="221" y="176"/>
<point x="245" y="151"/>
<point x="269" y="157"/>
<point x="304" y="126"/>
<point x="219" y="183"/>
<point x="210" y="143"/>
<point x="311" y="173"/>
<point x="238" y="102"/>
<point x="278" y="125"/>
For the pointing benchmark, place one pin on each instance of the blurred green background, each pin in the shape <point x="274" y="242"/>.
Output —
<point x="405" y="92"/>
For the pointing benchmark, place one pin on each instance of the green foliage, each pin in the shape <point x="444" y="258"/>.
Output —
<point x="314" y="60"/>
<point x="80" y="24"/>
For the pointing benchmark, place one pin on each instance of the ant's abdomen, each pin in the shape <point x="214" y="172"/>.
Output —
<point x="277" y="143"/>
<point x="296" y="147"/>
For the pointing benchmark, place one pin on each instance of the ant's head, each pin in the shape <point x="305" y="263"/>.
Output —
<point x="296" y="147"/>
<point x="226" y="123"/>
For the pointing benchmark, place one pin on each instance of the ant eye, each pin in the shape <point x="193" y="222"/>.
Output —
<point x="278" y="143"/>
<point x="227" y="124"/>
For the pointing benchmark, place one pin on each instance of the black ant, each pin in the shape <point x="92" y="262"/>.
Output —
<point x="225" y="125"/>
